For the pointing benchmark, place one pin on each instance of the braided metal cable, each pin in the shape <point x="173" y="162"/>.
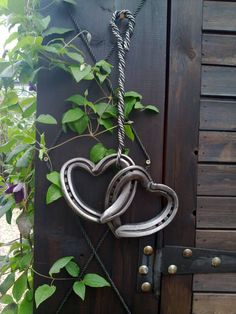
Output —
<point x="123" y="44"/>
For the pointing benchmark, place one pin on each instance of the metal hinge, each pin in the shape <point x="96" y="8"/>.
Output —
<point x="180" y="260"/>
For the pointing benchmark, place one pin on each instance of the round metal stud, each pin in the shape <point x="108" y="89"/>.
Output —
<point x="172" y="269"/>
<point x="148" y="162"/>
<point x="146" y="287"/>
<point x="187" y="253"/>
<point x="148" y="250"/>
<point x="215" y="262"/>
<point x="143" y="270"/>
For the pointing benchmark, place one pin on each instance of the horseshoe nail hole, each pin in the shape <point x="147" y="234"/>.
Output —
<point x="195" y="152"/>
<point x="194" y="212"/>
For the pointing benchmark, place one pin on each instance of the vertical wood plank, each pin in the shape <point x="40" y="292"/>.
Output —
<point x="182" y="140"/>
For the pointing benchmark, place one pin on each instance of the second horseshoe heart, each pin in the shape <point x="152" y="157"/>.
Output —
<point x="161" y="220"/>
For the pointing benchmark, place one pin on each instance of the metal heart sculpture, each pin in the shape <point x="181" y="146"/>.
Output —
<point x="161" y="220"/>
<point x="73" y="198"/>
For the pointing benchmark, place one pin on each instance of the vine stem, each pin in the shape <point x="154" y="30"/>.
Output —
<point x="80" y="136"/>
<point x="51" y="278"/>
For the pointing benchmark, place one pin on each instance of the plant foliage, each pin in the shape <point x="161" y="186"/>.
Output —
<point x="35" y="45"/>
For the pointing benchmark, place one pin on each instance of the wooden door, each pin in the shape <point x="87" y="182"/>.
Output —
<point x="164" y="66"/>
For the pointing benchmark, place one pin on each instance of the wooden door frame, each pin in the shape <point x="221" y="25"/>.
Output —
<point x="181" y="140"/>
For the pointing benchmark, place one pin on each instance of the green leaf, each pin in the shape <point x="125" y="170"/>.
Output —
<point x="45" y="22"/>
<point x="107" y="123"/>
<point x="46" y="119"/>
<point x="72" y="115"/>
<point x="70" y="1"/>
<point x="16" y="6"/>
<point x="42" y="293"/>
<point x="75" y="56"/>
<point x="110" y="151"/>
<point x="95" y="281"/>
<point x="19" y="287"/>
<point x="97" y="152"/>
<point x="80" y="125"/>
<point x="26" y="306"/>
<point x="31" y="109"/>
<point x="10" y="309"/>
<point x="152" y="108"/>
<point x="54" y="177"/>
<point x="53" y="194"/>
<point x="73" y="269"/>
<point x="133" y="95"/>
<point x="105" y="110"/>
<point x="24" y="160"/>
<point x="6" y="299"/>
<point x="79" y="73"/>
<point x="7" y="283"/>
<point x="101" y="77"/>
<point x="10" y="99"/>
<point x="79" y="288"/>
<point x="4" y="3"/>
<point x="7" y="146"/>
<point x="105" y="66"/>
<point x="129" y="132"/>
<point x="78" y="99"/>
<point x="6" y="207"/>
<point x="138" y="105"/>
<point x="59" y="264"/>
<point x="57" y="30"/>
<point x="16" y="150"/>
<point x="129" y="105"/>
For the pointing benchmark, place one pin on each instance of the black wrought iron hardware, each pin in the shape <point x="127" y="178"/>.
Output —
<point x="180" y="260"/>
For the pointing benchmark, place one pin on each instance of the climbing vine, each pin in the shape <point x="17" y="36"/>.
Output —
<point x="34" y="45"/>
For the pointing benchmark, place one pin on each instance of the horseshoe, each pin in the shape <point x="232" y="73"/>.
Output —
<point x="73" y="199"/>
<point x="160" y="221"/>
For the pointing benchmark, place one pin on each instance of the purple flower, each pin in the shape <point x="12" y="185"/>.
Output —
<point x="18" y="190"/>
<point x="32" y="87"/>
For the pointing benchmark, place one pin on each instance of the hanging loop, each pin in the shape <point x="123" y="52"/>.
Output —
<point x="123" y="44"/>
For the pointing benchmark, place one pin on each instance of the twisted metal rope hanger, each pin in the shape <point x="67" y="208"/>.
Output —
<point x="123" y="44"/>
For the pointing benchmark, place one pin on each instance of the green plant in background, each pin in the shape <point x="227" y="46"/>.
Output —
<point x="25" y="55"/>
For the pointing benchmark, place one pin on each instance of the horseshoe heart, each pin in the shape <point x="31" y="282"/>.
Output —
<point x="121" y="202"/>
<point x="161" y="220"/>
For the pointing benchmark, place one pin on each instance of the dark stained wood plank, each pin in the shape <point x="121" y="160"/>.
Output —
<point x="217" y="180"/>
<point x="185" y="59"/>
<point x="215" y="282"/>
<point x="219" y="49"/>
<point x="218" y="81"/>
<point x="218" y="115"/>
<point x="217" y="146"/>
<point x="216" y="239"/>
<point x="216" y="212"/>
<point x="210" y="303"/>
<point x="57" y="231"/>
<point x="219" y="15"/>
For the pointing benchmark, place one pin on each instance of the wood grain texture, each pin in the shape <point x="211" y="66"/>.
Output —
<point x="219" y="49"/>
<point x="182" y="140"/>
<point x="218" y="81"/>
<point x="57" y="231"/>
<point x="218" y="115"/>
<point x="219" y="15"/>
<point x="217" y="146"/>
<point x="217" y="180"/>
<point x="216" y="239"/>
<point x="214" y="282"/>
<point x="209" y="303"/>
<point x="216" y="212"/>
